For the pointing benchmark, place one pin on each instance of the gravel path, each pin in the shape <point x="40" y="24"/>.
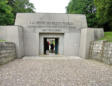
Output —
<point x="55" y="72"/>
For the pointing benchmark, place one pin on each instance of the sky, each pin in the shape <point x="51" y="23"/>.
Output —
<point x="50" y="6"/>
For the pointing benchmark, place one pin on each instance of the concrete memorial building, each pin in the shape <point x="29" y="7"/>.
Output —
<point x="32" y="32"/>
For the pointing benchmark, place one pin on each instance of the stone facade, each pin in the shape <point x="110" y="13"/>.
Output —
<point x="31" y="28"/>
<point x="101" y="50"/>
<point x="50" y="24"/>
<point x="7" y="52"/>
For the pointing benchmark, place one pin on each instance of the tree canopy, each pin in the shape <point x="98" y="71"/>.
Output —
<point x="9" y="8"/>
<point x="83" y="7"/>
<point x="104" y="13"/>
<point x="6" y="15"/>
<point x="98" y="12"/>
<point x="21" y="6"/>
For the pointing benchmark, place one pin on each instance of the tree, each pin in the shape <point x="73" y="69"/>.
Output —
<point x="6" y="15"/>
<point x="83" y="7"/>
<point x="9" y="8"/>
<point x="104" y="13"/>
<point x="21" y="6"/>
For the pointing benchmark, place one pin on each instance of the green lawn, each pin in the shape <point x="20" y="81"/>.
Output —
<point x="107" y="36"/>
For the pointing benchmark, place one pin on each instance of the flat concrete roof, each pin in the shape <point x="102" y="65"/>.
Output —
<point x="54" y="18"/>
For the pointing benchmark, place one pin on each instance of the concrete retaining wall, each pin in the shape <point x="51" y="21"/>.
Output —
<point x="88" y="35"/>
<point x="101" y="50"/>
<point x="13" y="34"/>
<point x="7" y="52"/>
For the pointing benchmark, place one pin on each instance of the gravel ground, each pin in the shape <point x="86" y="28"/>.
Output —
<point x="55" y="72"/>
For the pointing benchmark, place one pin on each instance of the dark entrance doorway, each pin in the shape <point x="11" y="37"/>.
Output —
<point x="51" y="46"/>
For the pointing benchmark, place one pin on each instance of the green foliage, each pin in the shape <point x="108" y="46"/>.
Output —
<point x="84" y="7"/>
<point x="107" y="36"/>
<point x="9" y="8"/>
<point x="21" y="6"/>
<point x="6" y="15"/>
<point x="104" y="13"/>
<point x="2" y="40"/>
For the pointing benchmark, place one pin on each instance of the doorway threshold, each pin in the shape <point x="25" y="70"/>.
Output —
<point x="51" y="55"/>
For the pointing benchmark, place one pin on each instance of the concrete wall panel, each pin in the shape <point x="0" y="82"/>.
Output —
<point x="31" y="42"/>
<point x="52" y="19"/>
<point x="13" y="34"/>
<point x="88" y="35"/>
<point x="71" y="44"/>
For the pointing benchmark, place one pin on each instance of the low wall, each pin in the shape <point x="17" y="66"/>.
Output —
<point x="7" y="52"/>
<point x="13" y="34"/>
<point x="88" y="35"/>
<point x="101" y="50"/>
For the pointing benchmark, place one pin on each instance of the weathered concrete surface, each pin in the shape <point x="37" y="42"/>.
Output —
<point x="88" y="35"/>
<point x="51" y="19"/>
<point x="7" y="52"/>
<point x="35" y="24"/>
<point x="101" y="50"/>
<point x="29" y="27"/>
<point x="13" y="34"/>
<point x="55" y="72"/>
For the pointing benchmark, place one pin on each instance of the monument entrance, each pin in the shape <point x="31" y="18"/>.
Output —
<point x="51" y="46"/>
<point x="33" y="29"/>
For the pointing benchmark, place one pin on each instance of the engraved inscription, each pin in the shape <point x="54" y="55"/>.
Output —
<point x="51" y="23"/>
<point x="51" y="30"/>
